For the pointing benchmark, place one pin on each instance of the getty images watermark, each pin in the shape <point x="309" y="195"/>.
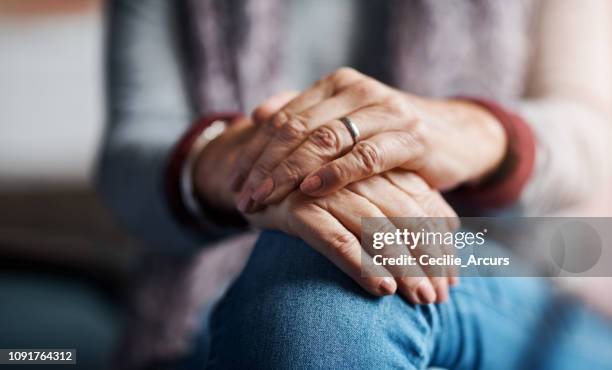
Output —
<point x="487" y="246"/>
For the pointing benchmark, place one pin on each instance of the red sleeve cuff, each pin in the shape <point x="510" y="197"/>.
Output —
<point x="177" y="159"/>
<point x="505" y="186"/>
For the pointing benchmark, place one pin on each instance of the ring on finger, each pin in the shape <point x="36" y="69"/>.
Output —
<point x="352" y="128"/>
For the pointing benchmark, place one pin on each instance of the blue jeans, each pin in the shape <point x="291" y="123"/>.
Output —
<point x="292" y="309"/>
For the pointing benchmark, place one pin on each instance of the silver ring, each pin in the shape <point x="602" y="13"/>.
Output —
<point x="351" y="127"/>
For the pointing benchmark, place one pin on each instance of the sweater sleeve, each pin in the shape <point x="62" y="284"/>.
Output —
<point x="568" y="105"/>
<point x="559" y="157"/>
<point x="148" y="112"/>
<point x="505" y="186"/>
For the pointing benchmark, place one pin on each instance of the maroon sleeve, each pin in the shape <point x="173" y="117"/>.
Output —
<point x="505" y="186"/>
<point x="177" y="158"/>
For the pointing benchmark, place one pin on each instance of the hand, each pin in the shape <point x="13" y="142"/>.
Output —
<point x="332" y="225"/>
<point x="447" y="142"/>
<point x="220" y="154"/>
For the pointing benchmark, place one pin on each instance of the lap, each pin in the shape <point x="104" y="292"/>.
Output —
<point x="294" y="308"/>
<point x="291" y="308"/>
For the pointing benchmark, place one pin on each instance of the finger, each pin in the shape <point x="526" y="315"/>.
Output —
<point x="280" y="141"/>
<point x="405" y="213"/>
<point x="253" y="164"/>
<point x="254" y="147"/>
<point x="443" y="218"/>
<point x="298" y="126"/>
<point x="432" y="203"/>
<point x="429" y="247"/>
<point x="325" y="143"/>
<point x="409" y="285"/>
<point x="322" y="146"/>
<point x="321" y="90"/>
<point x="272" y="105"/>
<point x="327" y="235"/>
<point x="447" y="221"/>
<point x="368" y="157"/>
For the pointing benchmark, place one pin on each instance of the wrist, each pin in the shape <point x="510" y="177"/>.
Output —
<point x="214" y="163"/>
<point x="208" y="173"/>
<point x="482" y="128"/>
<point x="505" y="185"/>
<point x="180" y="184"/>
<point x="460" y="136"/>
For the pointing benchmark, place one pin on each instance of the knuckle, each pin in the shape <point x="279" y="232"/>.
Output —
<point x="294" y="129"/>
<point x="368" y="88"/>
<point x="261" y="112"/>
<point x="323" y="84"/>
<point x="414" y="140"/>
<point x="341" y="245"/>
<point x="417" y="185"/>
<point x="326" y="139"/>
<point x="290" y="171"/>
<point x="369" y="156"/>
<point x="362" y="89"/>
<point x="431" y="203"/>
<point x="272" y="126"/>
<point x="344" y="74"/>
<point x="339" y="174"/>
<point x="396" y="105"/>
<point x="418" y="129"/>
<point x="419" y="135"/>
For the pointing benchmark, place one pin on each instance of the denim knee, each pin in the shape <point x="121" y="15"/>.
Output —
<point x="291" y="308"/>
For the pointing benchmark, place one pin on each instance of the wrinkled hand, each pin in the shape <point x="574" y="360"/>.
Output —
<point x="447" y="142"/>
<point x="220" y="155"/>
<point x="332" y="225"/>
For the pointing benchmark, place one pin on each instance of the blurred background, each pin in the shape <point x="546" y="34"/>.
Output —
<point x="63" y="261"/>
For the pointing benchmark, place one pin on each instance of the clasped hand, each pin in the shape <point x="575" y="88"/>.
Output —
<point x="297" y="169"/>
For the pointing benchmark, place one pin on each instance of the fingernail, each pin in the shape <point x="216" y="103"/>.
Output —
<point x="387" y="286"/>
<point x="311" y="184"/>
<point x="263" y="190"/>
<point x="454" y="280"/>
<point x="442" y="294"/>
<point x="426" y="292"/>
<point x="244" y="200"/>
